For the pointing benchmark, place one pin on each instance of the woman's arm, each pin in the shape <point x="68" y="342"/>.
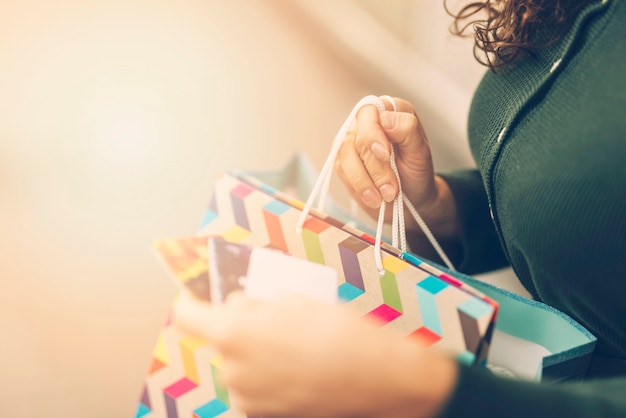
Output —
<point x="297" y="357"/>
<point x="479" y="394"/>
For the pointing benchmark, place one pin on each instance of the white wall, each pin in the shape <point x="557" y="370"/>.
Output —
<point x="404" y="48"/>
<point x="115" y="118"/>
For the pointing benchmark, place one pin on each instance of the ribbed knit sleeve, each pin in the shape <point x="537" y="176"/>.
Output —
<point x="481" y="394"/>
<point x="481" y="250"/>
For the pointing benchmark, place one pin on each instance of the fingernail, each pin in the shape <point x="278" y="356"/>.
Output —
<point x="379" y="151"/>
<point x="371" y="198"/>
<point x="388" y="192"/>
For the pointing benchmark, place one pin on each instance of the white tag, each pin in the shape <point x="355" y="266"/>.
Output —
<point x="264" y="273"/>
<point x="272" y="274"/>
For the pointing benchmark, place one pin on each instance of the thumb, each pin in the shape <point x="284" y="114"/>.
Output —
<point x="405" y="130"/>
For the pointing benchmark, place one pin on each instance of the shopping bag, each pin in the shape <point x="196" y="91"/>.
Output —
<point x="531" y="340"/>
<point x="440" y="311"/>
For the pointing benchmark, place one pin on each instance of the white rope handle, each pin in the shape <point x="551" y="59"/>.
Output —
<point x="398" y="231"/>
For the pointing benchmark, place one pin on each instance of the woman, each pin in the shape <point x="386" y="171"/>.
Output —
<point x="547" y="129"/>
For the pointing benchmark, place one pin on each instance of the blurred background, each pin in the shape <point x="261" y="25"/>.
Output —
<point x="116" y="116"/>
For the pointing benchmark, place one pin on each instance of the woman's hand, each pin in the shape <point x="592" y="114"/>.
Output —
<point x="297" y="357"/>
<point x="363" y="164"/>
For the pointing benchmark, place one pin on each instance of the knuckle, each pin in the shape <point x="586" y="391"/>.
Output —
<point x="380" y="173"/>
<point x="408" y="123"/>
<point x="358" y="182"/>
<point x="361" y="145"/>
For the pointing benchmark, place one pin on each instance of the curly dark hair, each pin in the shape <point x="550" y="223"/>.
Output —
<point x="506" y="30"/>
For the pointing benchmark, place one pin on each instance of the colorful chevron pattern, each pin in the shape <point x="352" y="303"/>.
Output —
<point x="412" y="297"/>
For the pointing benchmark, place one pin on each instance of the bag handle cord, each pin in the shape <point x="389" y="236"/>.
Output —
<point x="398" y="232"/>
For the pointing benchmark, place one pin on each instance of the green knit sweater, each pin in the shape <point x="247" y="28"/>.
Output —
<point x="549" y="198"/>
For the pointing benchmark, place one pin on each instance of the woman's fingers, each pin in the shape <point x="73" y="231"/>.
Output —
<point x="203" y="319"/>
<point x="189" y="314"/>
<point x="353" y="172"/>
<point x="274" y="364"/>
<point x="374" y="149"/>
<point x="413" y="156"/>
<point x="363" y="160"/>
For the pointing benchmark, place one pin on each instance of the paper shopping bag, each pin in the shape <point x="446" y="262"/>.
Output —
<point x="437" y="310"/>
<point x="531" y="340"/>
